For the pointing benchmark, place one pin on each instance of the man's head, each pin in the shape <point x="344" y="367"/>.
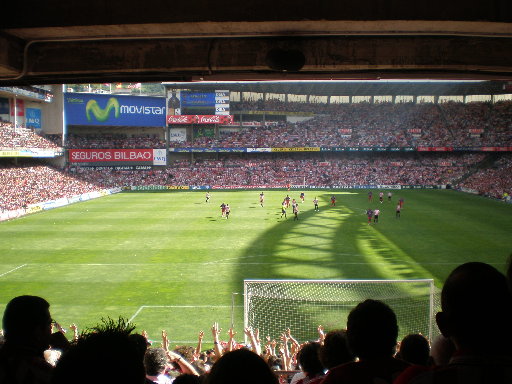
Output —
<point x="476" y="307"/>
<point x="372" y="330"/>
<point x="334" y="351"/>
<point x="309" y="360"/>
<point x="415" y="349"/>
<point x="27" y="321"/>
<point x="155" y="361"/>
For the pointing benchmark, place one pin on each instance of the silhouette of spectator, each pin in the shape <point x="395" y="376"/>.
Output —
<point x="103" y="354"/>
<point x="334" y="351"/>
<point x="476" y="314"/>
<point x="372" y="330"/>
<point x="415" y="349"/>
<point x="241" y="366"/>
<point x="27" y="326"/>
<point x="310" y="364"/>
<point x="441" y="351"/>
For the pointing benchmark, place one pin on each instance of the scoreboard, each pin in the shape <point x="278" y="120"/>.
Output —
<point x="183" y="102"/>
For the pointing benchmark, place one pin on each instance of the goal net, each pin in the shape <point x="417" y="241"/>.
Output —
<point x="272" y="306"/>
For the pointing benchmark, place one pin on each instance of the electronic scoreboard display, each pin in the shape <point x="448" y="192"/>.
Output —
<point x="183" y="102"/>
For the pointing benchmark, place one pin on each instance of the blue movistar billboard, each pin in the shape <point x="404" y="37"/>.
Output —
<point x="106" y="109"/>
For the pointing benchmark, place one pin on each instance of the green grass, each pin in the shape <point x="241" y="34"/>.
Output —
<point x="169" y="261"/>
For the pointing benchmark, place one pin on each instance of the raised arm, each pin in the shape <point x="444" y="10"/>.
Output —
<point x="286" y="353"/>
<point x="75" y="331"/>
<point x="185" y="366"/>
<point x="232" y="334"/>
<point x="199" y="343"/>
<point x="215" y="334"/>
<point x="165" y="340"/>
<point x="321" y="334"/>
<point x="254" y="344"/>
<point x="290" y="337"/>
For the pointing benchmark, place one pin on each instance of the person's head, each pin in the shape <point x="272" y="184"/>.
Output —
<point x="141" y="343"/>
<point x="274" y="362"/>
<point x="442" y="350"/>
<point x="415" y="349"/>
<point x="241" y="365"/>
<point x="199" y="366"/>
<point x="476" y="308"/>
<point x="334" y="351"/>
<point x="27" y="321"/>
<point x="155" y="361"/>
<point x="308" y="359"/>
<point x="372" y="330"/>
<point x="104" y="353"/>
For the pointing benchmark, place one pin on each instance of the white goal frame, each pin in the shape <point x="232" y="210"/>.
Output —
<point x="433" y="302"/>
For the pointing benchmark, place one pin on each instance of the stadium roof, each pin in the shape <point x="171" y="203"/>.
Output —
<point x="97" y="41"/>
<point x="355" y="88"/>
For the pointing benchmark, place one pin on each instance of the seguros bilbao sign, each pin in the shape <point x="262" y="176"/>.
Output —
<point x="110" y="155"/>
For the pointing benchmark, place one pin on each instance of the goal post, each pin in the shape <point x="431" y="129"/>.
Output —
<point x="272" y="306"/>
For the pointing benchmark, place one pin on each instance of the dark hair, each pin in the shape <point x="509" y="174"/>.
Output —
<point x="24" y="313"/>
<point x="155" y="361"/>
<point x="309" y="360"/>
<point x="274" y="362"/>
<point x="476" y="296"/>
<point x="186" y="351"/>
<point x="415" y="349"/>
<point x="140" y="342"/>
<point x="335" y="351"/>
<point x="372" y="330"/>
<point x="104" y="353"/>
<point x="199" y="366"/>
<point x="241" y="365"/>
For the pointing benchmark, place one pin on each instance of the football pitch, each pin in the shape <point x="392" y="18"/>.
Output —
<point x="168" y="260"/>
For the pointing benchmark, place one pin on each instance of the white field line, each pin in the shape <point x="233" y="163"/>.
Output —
<point x="12" y="270"/>
<point x="180" y="306"/>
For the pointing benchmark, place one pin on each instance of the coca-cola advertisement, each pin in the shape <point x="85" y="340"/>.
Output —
<point x="345" y="130"/>
<point x="200" y="119"/>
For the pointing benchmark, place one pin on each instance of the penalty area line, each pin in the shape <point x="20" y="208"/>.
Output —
<point x="12" y="270"/>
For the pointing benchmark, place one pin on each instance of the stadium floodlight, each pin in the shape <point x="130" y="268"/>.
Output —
<point x="272" y="306"/>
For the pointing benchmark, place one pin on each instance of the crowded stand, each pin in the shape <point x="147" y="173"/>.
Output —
<point x="467" y="122"/>
<point x="30" y="182"/>
<point x="22" y="138"/>
<point x="324" y="170"/>
<point x="374" y="125"/>
<point x="495" y="181"/>
<point x="361" y="351"/>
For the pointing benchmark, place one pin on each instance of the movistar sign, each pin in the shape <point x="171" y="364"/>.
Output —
<point x="94" y="109"/>
<point x="101" y="114"/>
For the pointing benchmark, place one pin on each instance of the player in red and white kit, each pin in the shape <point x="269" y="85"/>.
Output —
<point x="376" y="214"/>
